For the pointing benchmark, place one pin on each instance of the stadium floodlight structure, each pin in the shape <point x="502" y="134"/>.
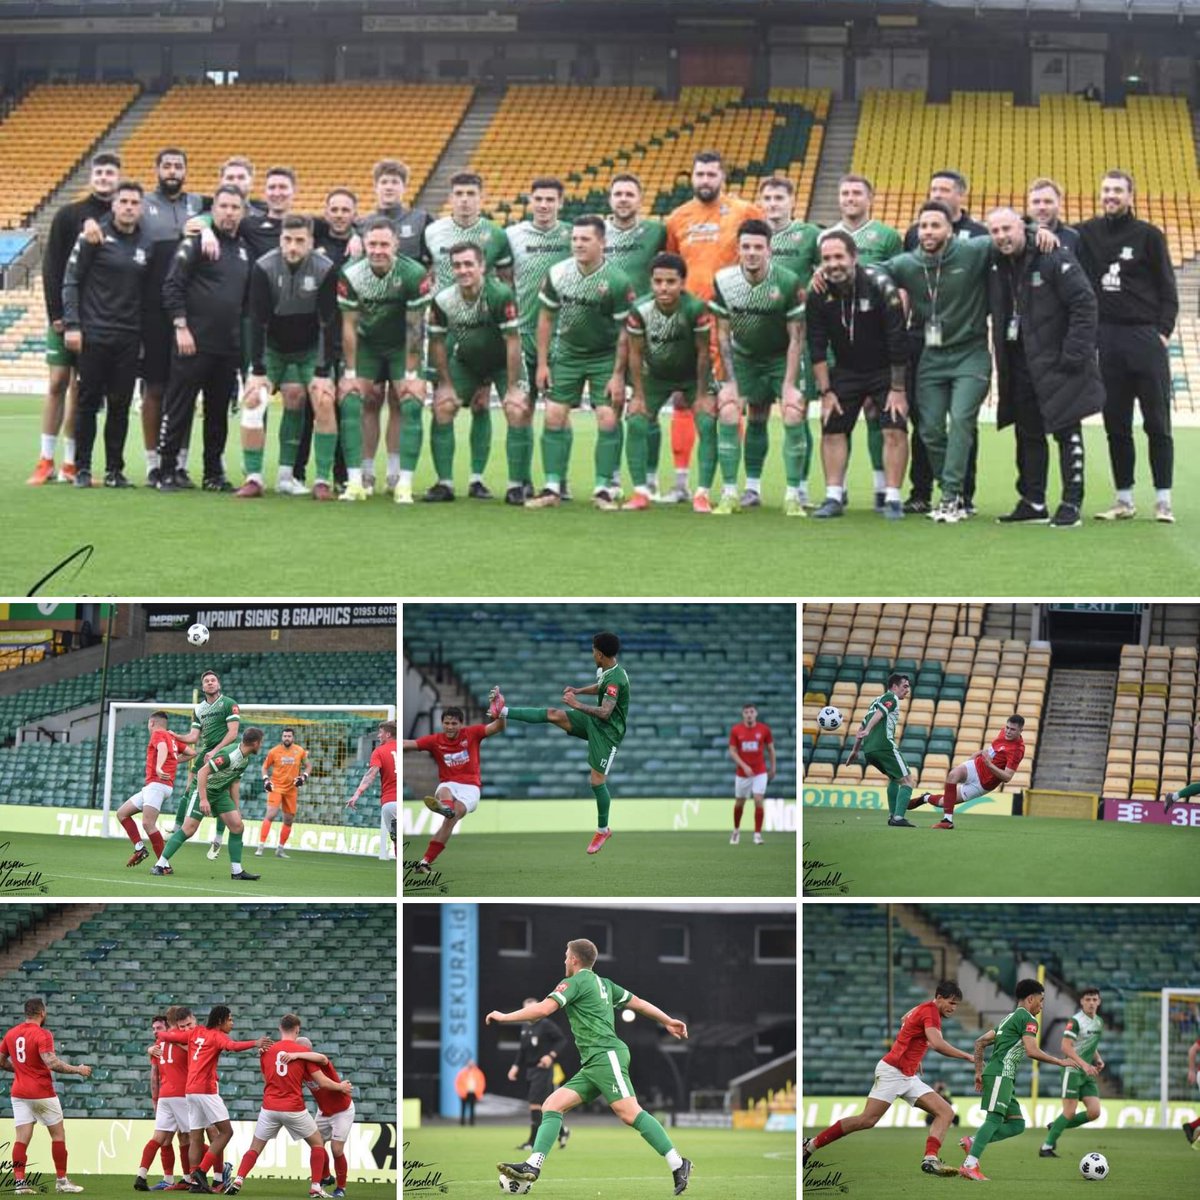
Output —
<point x="339" y="739"/>
<point x="1159" y="1028"/>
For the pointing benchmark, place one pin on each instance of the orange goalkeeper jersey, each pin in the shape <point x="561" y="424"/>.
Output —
<point x="283" y="766"/>
<point x="705" y="234"/>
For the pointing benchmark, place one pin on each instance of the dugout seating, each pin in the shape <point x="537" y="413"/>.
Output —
<point x="333" y="965"/>
<point x="330" y="134"/>
<point x="691" y="669"/>
<point x="54" y="774"/>
<point x="585" y="135"/>
<point x="1150" y="740"/>
<point x="45" y="137"/>
<point x="902" y="140"/>
<point x="964" y="686"/>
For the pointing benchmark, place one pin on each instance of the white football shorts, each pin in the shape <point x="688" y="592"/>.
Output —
<point x="468" y="793"/>
<point x="46" y="1111"/>
<point x="971" y="788"/>
<point x="387" y="815"/>
<point x="337" y="1127"/>
<point x="299" y="1124"/>
<point x="745" y="786"/>
<point x="891" y="1084"/>
<point x="172" y="1114"/>
<point x="205" y="1109"/>
<point x="153" y="795"/>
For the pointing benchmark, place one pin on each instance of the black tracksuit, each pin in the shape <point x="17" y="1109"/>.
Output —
<point x="920" y="471"/>
<point x="1130" y="270"/>
<point x="163" y="217"/>
<point x="211" y="294"/>
<point x="293" y="309"/>
<point x="409" y="224"/>
<point x="64" y="229"/>
<point x="104" y="296"/>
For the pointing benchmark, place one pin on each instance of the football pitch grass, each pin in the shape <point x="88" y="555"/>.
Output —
<point x="631" y="864"/>
<point x="854" y="853"/>
<point x="120" y="1187"/>
<point x="79" y="866"/>
<point x="377" y="548"/>
<point x="607" y="1161"/>
<point x="883" y="1163"/>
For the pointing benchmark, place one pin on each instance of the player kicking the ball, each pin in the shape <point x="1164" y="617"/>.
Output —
<point x="897" y="1077"/>
<point x="591" y="1003"/>
<point x="877" y="737"/>
<point x="456" y="752"/>
<point x="981" y="773"/>
<point x="602" y="726"/>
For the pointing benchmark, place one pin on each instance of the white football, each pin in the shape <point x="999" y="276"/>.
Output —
<point x="1093" y="1166"/>
<point x="829" y="718"/>
<point x="514" y="1187"/>
<point x="197" y="635"/>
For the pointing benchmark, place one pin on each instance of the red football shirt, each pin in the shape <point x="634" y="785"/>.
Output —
<point x="204" y="1048"/>
<point x="750" y="743"/>
<point x="1005" y="754"/>
<point x="328" y="1102"/>
<point x="283" y="1083"/>
<point x="385" y="759"/>
<point x="910" y="1045"/>
<point x="458" y="760"/>
<point x="25" y="1044"/>
<point x="172" y="1070"/>
<point x="170" y="763"/>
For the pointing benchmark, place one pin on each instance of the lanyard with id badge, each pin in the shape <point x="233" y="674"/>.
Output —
<point x="1016" y="278"/>
<point x="933" y="327"/>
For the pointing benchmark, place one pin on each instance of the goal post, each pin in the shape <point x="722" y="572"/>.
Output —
<point x="1159" y="1028"/>
<point x="339" y="740"/>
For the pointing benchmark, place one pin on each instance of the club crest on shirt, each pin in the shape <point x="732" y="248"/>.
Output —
<point x="1127" y="253"/>
<point x="562" y="987"/>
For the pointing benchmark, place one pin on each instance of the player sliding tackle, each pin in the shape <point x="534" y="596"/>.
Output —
<point x="591" y="1002"/>
<point x="602" y="726"/>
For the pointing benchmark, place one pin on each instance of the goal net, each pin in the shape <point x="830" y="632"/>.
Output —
<point x="339" y="741"/>
<point x="1159" y="1028"/>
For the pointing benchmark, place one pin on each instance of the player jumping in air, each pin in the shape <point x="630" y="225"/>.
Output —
<point x="750" y="745"/>
<point x="27" y="1050"/>
<point x="1083" y="1032"/>
<point x="1014" y="1037"/>
<point x="981" y="773"/>
<point x="602" y="725"/>
<point x="877" y="736"/>
<point x="456" y="752"/>
<point x="591" y="1003"/>
<point x="897" y="1077"/>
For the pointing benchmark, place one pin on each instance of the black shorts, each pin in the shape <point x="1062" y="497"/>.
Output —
<point x="158" y="340"/>
<point x="541" y="1084"/>
<point x="852" y="406"/>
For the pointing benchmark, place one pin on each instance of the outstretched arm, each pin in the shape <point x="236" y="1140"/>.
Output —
<point x="676" y="1029"/>
<point x="363" y="784"/>
<point x="933" y="1036"/>
<point x="531" y="1012"/>
<point x="62" y="1067"/>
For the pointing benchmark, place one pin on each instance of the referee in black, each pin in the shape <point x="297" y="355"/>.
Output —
<point x="860" y="317"/>
<point x="1129" y="266"/>
<point x="103" y="301"/>
<point x="205" y="298"/>
<point x="542" y="1041"/>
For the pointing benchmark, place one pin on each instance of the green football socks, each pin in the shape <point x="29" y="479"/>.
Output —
<point x="603" y="800"/>
<point x="481" y="440"/>
<point x="350" y="424"/>
<point x="291" y="425"/>
<point x="706" y="454"/>
<point x="757" y="444"/>
<point x="797" y="449"/>
<point x="174" y="842"/>
<point x="1062" y="1123"/>
<point x="875" y="443"/>
<point x="519" y="450"/>
<point x="252" y="461"/>
<point x="729" y="452"/>
<point x="547" y="1134"/>
<point x="636" y="446"/>
<point x="653" y="1132"/>
<point x="556" y="453"/>
<point x="441" y="443"/>
<point x="324" y="452"/>
<point x="410" y="434"/>
<point x="235" y="849"/>
<point x="608" y="455"/>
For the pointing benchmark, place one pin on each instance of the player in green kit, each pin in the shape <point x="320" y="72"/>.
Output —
<point x="759" y="308"/>
<point x="537" y="244"/>
<point x="1014" y="1038"/>
<point x="602" y="726"/>
<point x="474" y="341"/>
<point x="216" y="791"/>
<point x="591" y="1003"/>
<point x="669" y="332"/>
<point x="1083" y="1033"/>
<point x="581" y="342"/>
<point x="877" y="737"/>
<point x="382" y="297"/>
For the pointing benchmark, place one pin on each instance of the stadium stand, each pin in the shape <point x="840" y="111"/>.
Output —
<point x="597" y="132"/>
<point x="118" y="962"/>
<point x="22" y="332"/>
<point x="964" y="686"/>
<point x="691" y="669"/>
<point x="46" y="135"/>
<point x="329" y="134"/>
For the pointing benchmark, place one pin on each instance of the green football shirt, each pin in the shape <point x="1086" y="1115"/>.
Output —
<point x="383" y="301"/>
<point x="226" y="766"/>
<point x="590" y="1003"/>
<point x="668" y="339"/>
<point x="1008" y="1049"/>
<point x="882" y="737"/>
<point x="534" y="252"/>
<point x="795" y="248"/>
<point x="212" y="719"/>
<point x="615" y="683"/>
<point x="1085" y="1031"/>
<point x="476" y="328"/>
<point x="487" y="235"/>
<point x="876" y="241"/>
<point x="633" y="249"/>
<point x="758" y="313"/>
<point x="590" y="309"/>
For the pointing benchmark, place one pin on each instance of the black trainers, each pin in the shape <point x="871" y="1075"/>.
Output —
<point x="153" y="477"/>
<point x="217" y="483"/>
<point x="901" y="822"/>
<point x="752" y="499"/>
<point x="1025" y="514"/>
<point x="1189" y="1132"/>
<point x="422" y="868"/>
<point x="681" y="1175"/>
<point x="480" y="491"/>
<point x="917" y="801"/>
<point x="245" y="875"/>
<point x="808" y="1149"/>
<point x="523" y="1171"/>
<point x="157" y="870"/>
<point x="563" y="1134"/>
<point x="1046" y="1152"/>
<point x="1169" y="798"/>
<point x="880" y="498"/>
<point x="115" y="479"/>
<point x="440" y="493"/>
<point x="140" y="1185"/>
<point x="83" y="478"/>
<point x="516" y="495"/>
<point x="917" y="506"/>
<point x="183" y="480"/>
<point x="1066" y="516"/>
<point x="831" y="508"/>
